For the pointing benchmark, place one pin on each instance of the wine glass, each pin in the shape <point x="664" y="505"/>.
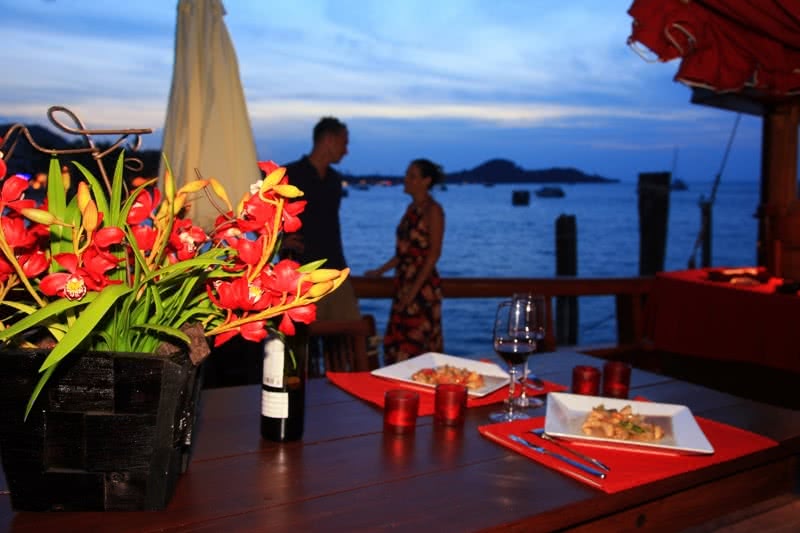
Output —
<point x="535" y="306"/>
<point x="513" y="341"/>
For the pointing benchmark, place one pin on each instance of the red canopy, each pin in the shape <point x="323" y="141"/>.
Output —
<point x="725" y="45"/>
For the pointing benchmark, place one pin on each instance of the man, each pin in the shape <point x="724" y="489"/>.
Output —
<point x="320" y="237"/>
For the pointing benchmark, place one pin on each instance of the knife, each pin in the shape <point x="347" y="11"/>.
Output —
<point x="576" y="464"/>
<point x="540" y="433"/>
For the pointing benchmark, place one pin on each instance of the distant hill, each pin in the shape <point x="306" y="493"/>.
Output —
<point x="27" y="159"/>
<point x="503" y="171"/>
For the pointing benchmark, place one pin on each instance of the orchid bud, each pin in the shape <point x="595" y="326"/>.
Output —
<point x="323" y="274"/>
<point x="83" y="195"/>
<point x="39" y="216"/>
<point x="273" y="179"/>
<point x="169" y="185"/>
<point x="288" y="191"/>
<point x="193" y="187"/>
<point x="180" y="201"/>
<point x="91" y="217"/>
<point x="320" y="289"/>
<point x="219" y="190"/>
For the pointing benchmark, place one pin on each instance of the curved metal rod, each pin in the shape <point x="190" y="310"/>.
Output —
<point x="97" y="154"/>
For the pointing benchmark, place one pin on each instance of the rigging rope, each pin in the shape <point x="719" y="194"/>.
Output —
<point x="710" y="202"/>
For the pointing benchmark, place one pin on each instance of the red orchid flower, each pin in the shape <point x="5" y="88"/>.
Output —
<point x="305" y="314"/>
<point x="241" y="294"/>
<point x="16" y="232"/>
<point x="185" y="240"/>
<point x="33" y="263"/>
<point x="268" y="167"/>
<point x="11" y="194"/>
<point x="255" y="331"/>
<point x="249" y="252"/>
<point x="145" y="237"/>
<point x="291" y="212"/>
<point x="5" y="269"/>
<point x="96" y="260"/>
<point x="144" y="205"/>
<point x="285" y="277"/>
<point x="256" y="214"/>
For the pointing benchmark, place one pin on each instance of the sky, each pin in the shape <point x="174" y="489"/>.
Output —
<point x="542" y="83"/>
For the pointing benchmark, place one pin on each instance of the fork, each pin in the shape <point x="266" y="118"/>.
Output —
<point x="541" y="434"/>
<point x="545" y="451"/>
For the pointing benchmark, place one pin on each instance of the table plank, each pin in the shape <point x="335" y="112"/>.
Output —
<point x="346" y="474"/>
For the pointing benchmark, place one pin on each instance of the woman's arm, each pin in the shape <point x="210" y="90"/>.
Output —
<point x="388" y="265"/>
<point x="434" y="218"/>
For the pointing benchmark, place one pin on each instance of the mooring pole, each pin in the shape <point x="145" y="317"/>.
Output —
<point x="653" y="214"/>
<point x="566" y="323"/>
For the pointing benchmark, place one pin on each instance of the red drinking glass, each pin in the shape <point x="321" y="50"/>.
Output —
<point x="616" y="379"/>
<point x="400" y="411"/>
<point x="450" y="404"/>
<point x="586" y="380"/>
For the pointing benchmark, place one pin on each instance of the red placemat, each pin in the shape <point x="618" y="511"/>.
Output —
<point x="631" y="467"/>
<point x="372" y="389"/>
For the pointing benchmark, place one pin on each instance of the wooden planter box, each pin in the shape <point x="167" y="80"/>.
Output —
<point x="110" y="432"/>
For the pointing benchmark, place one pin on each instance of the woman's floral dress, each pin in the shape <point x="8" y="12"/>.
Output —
<point x="415" y="329"/>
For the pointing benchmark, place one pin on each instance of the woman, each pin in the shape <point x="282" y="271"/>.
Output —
<point x="415" y="320"/>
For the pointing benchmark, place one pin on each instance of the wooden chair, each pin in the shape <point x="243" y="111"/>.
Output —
<point x="343" y="344"/>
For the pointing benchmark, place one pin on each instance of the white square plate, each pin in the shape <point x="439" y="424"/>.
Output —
<point x="494" y="377"/>
<point x="566" y="413"/>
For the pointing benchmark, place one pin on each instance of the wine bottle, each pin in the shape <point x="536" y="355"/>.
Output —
<point x="283" y="388"/>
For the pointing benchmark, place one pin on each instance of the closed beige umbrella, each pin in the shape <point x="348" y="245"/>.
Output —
<point x="207" y="126"/>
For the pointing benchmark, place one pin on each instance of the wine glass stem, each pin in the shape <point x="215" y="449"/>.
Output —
<point x="512" y="373"/>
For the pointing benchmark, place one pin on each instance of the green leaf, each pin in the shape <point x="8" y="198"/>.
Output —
<point x="39" y="386"/>
<point x="116" y="191"/>
<point x="86" y="323"/>
<point x="312" y="266"/>
<point x="19" y="306"/>
<point x="99" y="189"/>
<point x="39" y="317"/>
<point x="172" y="332"/>
<point x="179" y="269"/>
<point x="57" y="205"/>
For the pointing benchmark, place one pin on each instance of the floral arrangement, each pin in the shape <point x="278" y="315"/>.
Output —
<point x="107" y="270"/>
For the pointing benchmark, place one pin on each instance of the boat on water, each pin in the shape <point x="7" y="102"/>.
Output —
<point x="550" y="192"/>
<point x="520" y="197"/>
<point x="678" y="185"/>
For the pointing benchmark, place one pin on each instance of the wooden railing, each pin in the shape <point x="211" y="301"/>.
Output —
<point x="630" y="296"/>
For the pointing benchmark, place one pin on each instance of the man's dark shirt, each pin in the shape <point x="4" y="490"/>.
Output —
<point x="321" y="232"/>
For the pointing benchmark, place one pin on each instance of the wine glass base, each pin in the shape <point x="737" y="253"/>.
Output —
<point x="528" y="403"/>
<point x="505" y="416"/>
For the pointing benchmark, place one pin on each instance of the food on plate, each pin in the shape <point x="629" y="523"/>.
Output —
<point x="448" y="374"/>
<point x="620" y="424"/>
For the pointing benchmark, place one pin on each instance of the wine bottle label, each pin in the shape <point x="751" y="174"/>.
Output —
<point x="273" y="363"/>
<point x="274" y="404"/>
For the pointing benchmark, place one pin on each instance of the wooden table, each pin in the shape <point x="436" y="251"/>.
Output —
<point x="346" y="476"/>
<point x="690" y="315"/>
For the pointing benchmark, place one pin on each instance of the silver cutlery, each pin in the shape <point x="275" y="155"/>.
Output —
<point x="541" y="434"/>
<point x="576" y="464"/>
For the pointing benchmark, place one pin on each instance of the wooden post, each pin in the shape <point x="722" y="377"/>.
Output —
<point x="778" y="234"/>
<point x="566" y="265"/>
<point x="653" y="215"/>
<point x="705" y="221"/>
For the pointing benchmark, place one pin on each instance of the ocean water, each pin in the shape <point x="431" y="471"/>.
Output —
<point x="485" y="236"/>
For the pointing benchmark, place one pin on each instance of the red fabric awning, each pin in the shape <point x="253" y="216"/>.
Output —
<point x="725" y="45"/>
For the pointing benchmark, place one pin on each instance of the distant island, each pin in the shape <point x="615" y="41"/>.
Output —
<point x="26" y="159"/>
<point x="500" y="171"/>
